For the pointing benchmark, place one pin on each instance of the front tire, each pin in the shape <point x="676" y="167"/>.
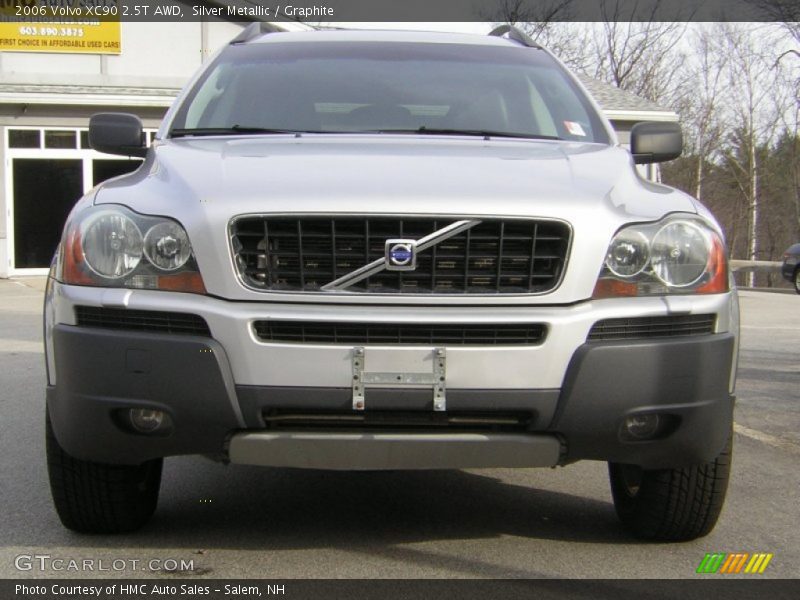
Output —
<point x="797" y="280"/>
<point x="93" y="497"/>
<point x="671" y="505"/>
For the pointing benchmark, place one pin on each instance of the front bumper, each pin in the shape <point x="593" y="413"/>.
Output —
<point x="256" y="363"/>
<point x="577" y="393"/>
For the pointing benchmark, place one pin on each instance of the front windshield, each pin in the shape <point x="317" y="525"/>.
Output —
<point x="340" y="87"/>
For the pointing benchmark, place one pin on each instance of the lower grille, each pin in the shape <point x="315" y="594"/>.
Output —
<point x="652" y="327"/>
<point x="141" y="320"/>
<point x="399" y="421"/>
<point x="501" y="334"/>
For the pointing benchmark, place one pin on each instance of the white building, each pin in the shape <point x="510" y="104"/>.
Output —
<point x="46" y="99"/>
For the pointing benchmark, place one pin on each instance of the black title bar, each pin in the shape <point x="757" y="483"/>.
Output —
<point x="320" y="12"/>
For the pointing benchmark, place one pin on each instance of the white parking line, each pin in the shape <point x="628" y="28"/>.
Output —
<point x="766" y="438"/>
<point x="776" y="327"/>
<point x="17" y="346"/>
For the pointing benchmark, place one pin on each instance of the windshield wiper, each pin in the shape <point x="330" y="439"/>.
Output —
<point x="485" y="133"/>
<point x="232" y="130"/>
<point x="241" y="129"/>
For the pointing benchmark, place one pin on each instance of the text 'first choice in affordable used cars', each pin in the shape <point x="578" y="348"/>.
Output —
<point x="390" y="250"/>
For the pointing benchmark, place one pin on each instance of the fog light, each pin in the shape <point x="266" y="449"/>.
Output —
<point x="145" y="420"/>
<point x="642" y="427"/>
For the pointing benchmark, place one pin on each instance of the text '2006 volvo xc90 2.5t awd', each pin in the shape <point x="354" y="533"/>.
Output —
<point x="389" y="250"/>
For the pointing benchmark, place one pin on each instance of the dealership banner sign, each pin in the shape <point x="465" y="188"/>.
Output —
<point x="82" y="26"/>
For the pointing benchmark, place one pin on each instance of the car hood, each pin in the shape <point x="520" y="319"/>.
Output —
<point x="389" y="174"/>
<point x="204" y="183"/>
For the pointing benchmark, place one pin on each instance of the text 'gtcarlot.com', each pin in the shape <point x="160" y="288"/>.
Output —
<point x="46" y="562"/>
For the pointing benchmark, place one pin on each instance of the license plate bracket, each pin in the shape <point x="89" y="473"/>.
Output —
<point x="435" y="379"/>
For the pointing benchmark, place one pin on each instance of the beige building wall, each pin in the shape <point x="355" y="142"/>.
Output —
<point x="52" y="90"/>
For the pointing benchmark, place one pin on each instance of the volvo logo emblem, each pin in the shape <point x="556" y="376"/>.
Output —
<point x="401" y="255"/>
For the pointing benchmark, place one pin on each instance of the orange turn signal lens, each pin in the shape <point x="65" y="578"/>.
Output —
<point x="613" y="288"/>
<point x="190" y="282"/>
<point x="717" y="268"/>
<point x="75" y="271"/>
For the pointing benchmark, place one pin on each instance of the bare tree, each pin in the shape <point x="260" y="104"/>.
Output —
<point x="756" y="104"/>
<point x="637" y="52"/>
<point x="630" y="49"/>
<point x="698" y="101"/>
<point x="791" y="125"/>
<point x="786" y="12"/>
<point x="537" y="16"/>
<point x="548" y="23"/>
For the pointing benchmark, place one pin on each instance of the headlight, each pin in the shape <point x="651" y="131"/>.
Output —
<point x="104" y="246"/>
<point x="628" y="253"/>
<point x="166" y="245"/>
<point x="680" y="253"/>
<point x="674" y="256"/>
<point x="111" y="244"/>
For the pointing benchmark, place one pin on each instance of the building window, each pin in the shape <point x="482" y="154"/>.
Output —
<point x="24" y="138"/>
<point x="59" y="139"/>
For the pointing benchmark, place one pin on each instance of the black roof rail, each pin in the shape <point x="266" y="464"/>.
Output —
<point x="255" y="30"/>
<point x="515" y="34"/>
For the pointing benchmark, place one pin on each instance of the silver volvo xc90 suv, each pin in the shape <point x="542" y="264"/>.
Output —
<point x="390" y="250"/>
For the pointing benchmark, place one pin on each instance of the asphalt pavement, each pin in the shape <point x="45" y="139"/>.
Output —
<point x="239" y="522"/>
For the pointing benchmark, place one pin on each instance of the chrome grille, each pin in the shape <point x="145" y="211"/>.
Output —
<point x="496" y="256"/>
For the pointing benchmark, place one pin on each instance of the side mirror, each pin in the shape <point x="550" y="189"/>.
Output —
<point x="117" y="133"/>
<point x="653" y="142"/>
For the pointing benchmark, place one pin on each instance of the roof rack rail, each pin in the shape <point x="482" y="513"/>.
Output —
<point x="514" y="34"/>
<point x="255" y="30"/>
